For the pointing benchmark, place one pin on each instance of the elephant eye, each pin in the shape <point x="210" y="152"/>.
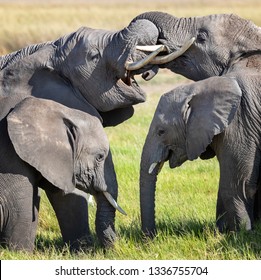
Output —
<point x="95" y="55"/>
<point x="202" y="36"/>
<point x="100" y="157"/>
<point x="161" y="132"/>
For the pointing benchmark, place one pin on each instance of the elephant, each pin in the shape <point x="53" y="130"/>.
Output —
<point x="216" y="116"/>
<point x="214" y="45"/>
<point x="87" y="66"/>
<point x="90" y="70"/>
<point x="59" y="148"/>
<point x="217" y="43"/>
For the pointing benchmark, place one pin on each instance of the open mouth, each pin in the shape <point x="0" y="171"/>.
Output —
<point x="158" y="165"/>
<point x="128" y="78"/>
<point x="152" y="59"/>
<point x="129" y="91"/>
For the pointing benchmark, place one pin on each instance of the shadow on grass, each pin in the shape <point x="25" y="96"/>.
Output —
<point x="54" y="247"/>
<point x="245" y="244"/>
<point x="239" y="245"/>
<point x="167" y="228"/>
<point x="45" y="244"/>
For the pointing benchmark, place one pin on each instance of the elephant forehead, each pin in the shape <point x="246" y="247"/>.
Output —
<point x="97" y="37"/>
<point x="162" y="118"/>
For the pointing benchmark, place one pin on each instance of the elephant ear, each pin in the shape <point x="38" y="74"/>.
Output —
<point x="44" y="138"/>
<point x="210" y="109"/>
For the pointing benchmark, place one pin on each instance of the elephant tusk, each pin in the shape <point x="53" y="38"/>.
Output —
<point x="154" y="165"/>
<point x="151" y="48"/>
<point x="130" y="66"/>
<point x="114" y="203"/>
<point x="167" y="58"/>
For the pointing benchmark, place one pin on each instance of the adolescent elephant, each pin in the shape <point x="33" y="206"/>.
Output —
<point x="215" y="43"/>
<point x="88" y="65"/>
<point x="45" y="144"/>
<point x="220" y="115"/>
<point x="88" y="70"/>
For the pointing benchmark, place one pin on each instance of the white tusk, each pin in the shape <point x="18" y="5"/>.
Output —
<point x="114" y="203"/>
<point x="152" y="167"/>
<point x="150" y="48"/>
<point x="130" y="66"/>
<point x="167" y="58"/>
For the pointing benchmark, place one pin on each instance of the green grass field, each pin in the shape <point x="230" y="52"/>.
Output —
<point x="186" y="196"/>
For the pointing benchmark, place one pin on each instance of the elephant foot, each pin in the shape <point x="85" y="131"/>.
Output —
<point x="108" y="238"/>
<point x="236" y="224"/>
<point x="149" y="231"/>
<point x="83" y="244"/>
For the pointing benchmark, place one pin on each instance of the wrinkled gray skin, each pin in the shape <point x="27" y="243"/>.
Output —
<point x="221" y="41"/>
<point x="84" y="67"/>
<point x="217" y="116"/>
<point x="45" y="144"/>
<point x="84" y="70"/>
<point x="224" y="45"/>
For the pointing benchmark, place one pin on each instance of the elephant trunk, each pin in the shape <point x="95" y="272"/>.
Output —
<point x="105" y="214"/>
<point x="104" y="222"/>
<point x="147" y="192"/>
<point x="161" y="20"/>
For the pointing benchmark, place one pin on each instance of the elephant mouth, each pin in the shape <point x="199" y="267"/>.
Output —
<point x="152" y="59"/>
<point x="128" y="78"/>
<point x="175" y="158"/>
<point x="157" y="165"/>
<point x="130" y="89"/>
<point x="139" y="67"/>
<point x="93" y="190"/>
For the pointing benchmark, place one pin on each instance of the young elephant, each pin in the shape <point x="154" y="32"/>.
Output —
<point x="45" y="144"/>
<point x="214" y="116"/>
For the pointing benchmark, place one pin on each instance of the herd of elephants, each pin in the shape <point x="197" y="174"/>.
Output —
<point x="56" y="97"/>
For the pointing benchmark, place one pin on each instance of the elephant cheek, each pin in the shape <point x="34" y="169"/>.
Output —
<point x="177" y="159"/>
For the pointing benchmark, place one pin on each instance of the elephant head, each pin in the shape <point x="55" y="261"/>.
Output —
<point x="184" y="124"/>
<point x="219" y="41"/>
<point x="69" y="149"/>
<point x="87" y="68"/>
<point x="98" y="63"/>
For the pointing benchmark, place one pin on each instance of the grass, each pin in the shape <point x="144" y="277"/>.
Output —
<point x="186" y="196"/>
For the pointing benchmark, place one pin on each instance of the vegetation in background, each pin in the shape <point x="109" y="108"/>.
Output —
<point x="186" y="196"/>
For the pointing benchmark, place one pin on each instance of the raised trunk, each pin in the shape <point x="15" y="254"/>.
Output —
<point x="72" y="214"/>
<point x="161" y="20"/>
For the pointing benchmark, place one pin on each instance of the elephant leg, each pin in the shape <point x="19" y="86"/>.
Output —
<point x="257" y="205"/>
<point x="239" y="175"/>
<point x="72" y="213"/>
<point x="20" y="216"/>
<point x="234" y="211"/>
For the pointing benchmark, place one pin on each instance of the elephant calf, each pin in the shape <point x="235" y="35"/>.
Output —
<point x="45" y="144"/>
<point x="217" y="116"/>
